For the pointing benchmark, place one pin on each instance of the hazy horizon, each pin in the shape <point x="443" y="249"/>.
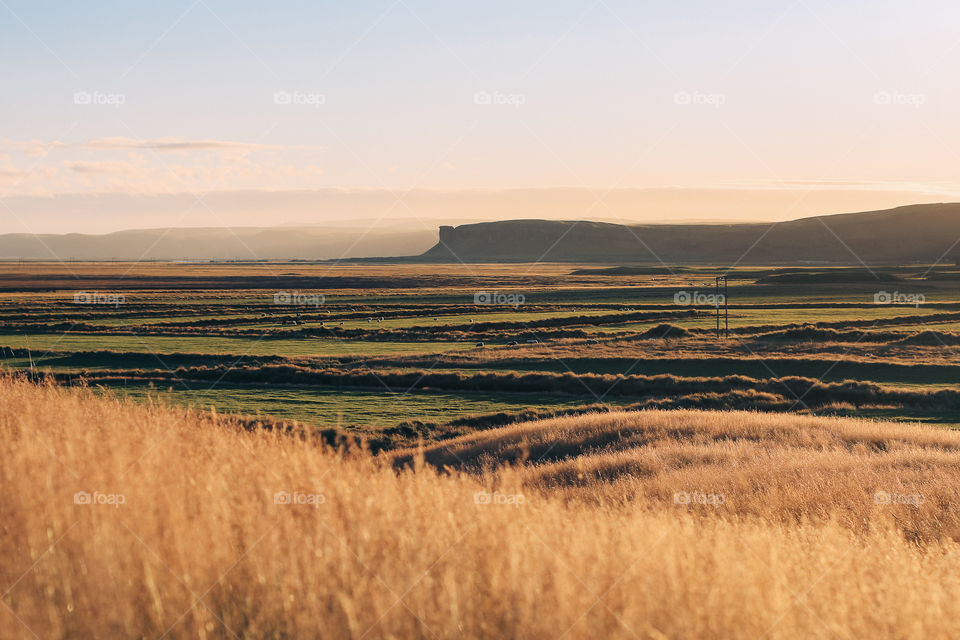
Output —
<point x="99" y="214"/>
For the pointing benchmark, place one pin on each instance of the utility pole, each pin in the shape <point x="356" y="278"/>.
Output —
<point x="726" y="309"/>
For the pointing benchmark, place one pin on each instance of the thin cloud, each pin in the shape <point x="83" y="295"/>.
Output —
<point x="105" y="167"/>
<point x="31" y="148"/>
<point x="41" y="147"/>
<point x="174" y="144"/>
<point x="844" y="185"/>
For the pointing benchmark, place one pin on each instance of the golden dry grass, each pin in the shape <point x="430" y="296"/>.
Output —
<point x="199" y="547"/>
<point x="776" y="467"/>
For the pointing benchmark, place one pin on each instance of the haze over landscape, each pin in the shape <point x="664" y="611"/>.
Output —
<point x="417" y="319"/>
<point x="925" y="234"/>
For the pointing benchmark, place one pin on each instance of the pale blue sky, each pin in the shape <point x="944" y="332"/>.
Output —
<point x="733" y="95"/>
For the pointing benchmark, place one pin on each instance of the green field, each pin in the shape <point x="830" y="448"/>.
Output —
<point x="161" y="345"/>
<point x="238" y="350"/>
<point x="341" y="408"/>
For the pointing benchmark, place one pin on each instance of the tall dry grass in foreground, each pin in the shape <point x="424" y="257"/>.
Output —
<point x="188" y="533"/>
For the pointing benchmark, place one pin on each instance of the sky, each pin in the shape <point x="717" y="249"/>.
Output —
<point x="119" y="115"/>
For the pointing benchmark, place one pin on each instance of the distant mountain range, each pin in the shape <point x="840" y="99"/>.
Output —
<point x="924" y="233"/>
<point x="242" y="243"/>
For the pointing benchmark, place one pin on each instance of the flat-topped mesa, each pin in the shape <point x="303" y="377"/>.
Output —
<point x="531" y="240"/>
<point x="922" y="234"/>
<point x="446" y="234"/>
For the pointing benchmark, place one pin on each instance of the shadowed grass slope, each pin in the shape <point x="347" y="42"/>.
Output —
<point x="783" y="468"/>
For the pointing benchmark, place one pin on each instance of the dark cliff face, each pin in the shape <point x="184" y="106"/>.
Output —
<point x="532" y="240"/>
<point x="918" y="233"/>
<point x="447" y="234"/>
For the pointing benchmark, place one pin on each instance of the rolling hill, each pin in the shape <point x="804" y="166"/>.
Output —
<point x="924" y="233"/>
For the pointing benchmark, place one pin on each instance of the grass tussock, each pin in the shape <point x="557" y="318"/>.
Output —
<point x="186" y="539"/>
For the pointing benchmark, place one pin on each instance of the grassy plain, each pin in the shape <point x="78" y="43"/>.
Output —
<point x="154" y="521"/>
<point x="197" y="331"/>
